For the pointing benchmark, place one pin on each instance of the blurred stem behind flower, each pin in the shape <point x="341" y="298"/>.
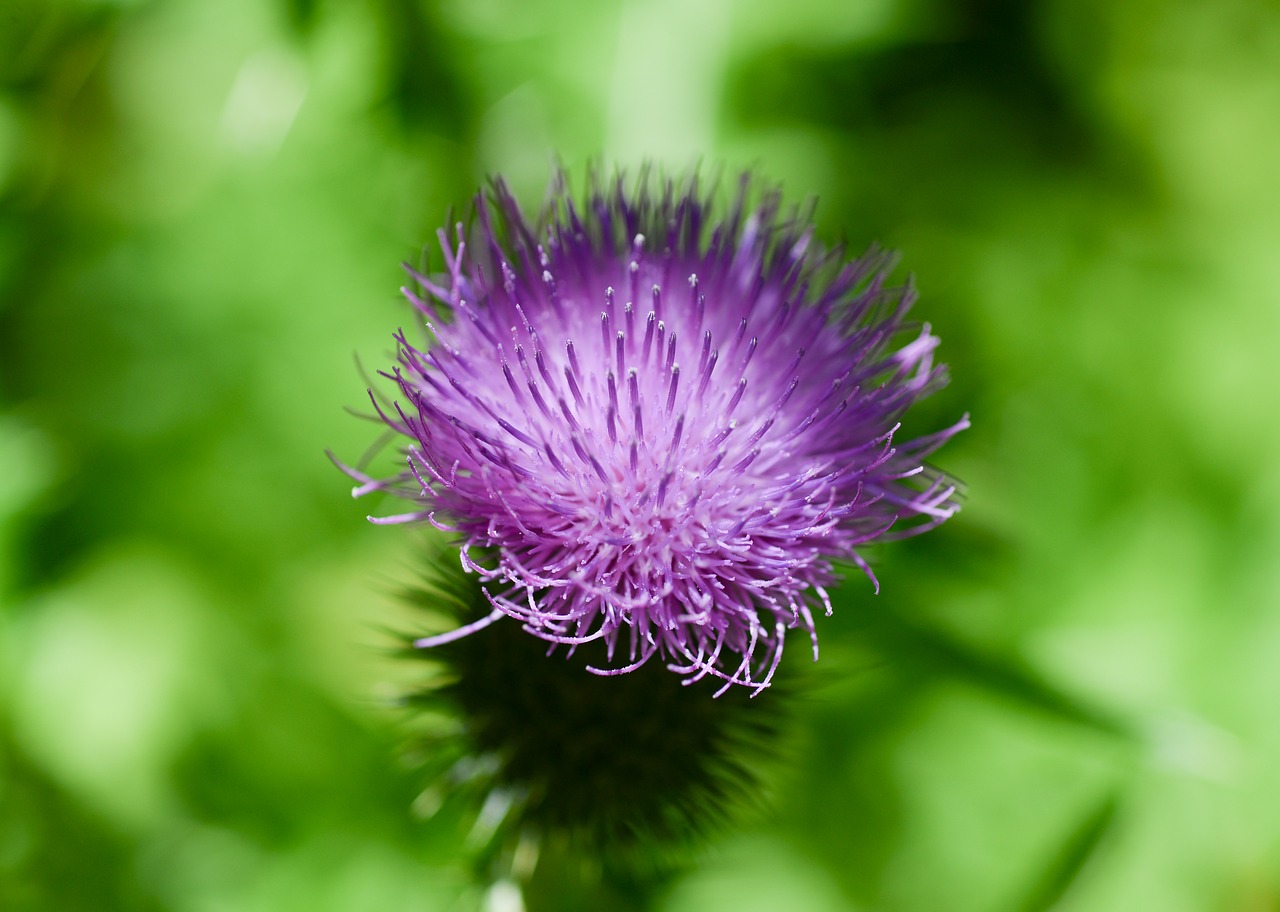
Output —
<point x="662" y="424"/>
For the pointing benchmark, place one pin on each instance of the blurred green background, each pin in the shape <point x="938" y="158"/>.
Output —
<point x="1066" y="698"/>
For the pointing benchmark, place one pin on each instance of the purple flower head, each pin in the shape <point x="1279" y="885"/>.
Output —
<point x="660" y="427"/>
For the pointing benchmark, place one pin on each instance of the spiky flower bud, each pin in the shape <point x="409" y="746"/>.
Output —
<point x="618" y="777"/>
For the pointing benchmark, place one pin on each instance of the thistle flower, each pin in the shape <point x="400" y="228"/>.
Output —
<point x="663" y="428"/>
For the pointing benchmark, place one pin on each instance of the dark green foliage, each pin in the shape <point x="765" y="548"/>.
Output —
<point x="1069" y="862"/>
